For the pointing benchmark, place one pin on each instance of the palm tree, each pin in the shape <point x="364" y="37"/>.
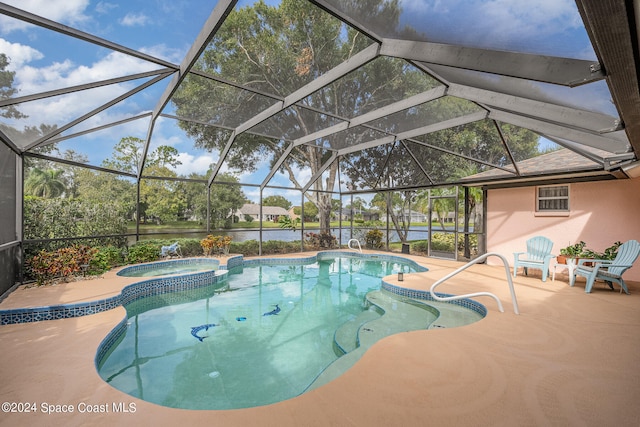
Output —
<point x="45" y="183"/>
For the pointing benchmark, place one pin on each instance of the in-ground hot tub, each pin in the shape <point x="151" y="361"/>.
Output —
<point x="171" y="267"/>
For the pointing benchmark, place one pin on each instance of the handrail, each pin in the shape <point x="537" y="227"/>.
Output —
<point x="357" y="241"/>
<point x="488" y="294"/>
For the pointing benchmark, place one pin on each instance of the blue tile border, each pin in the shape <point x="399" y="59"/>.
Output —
<point x="108" y="343"/>
<point x="54" y="312"/>
<point x="130" y="293"/>
<point x="329" y="255"/>
<point x="213" y="263"/>
<point x="426" y="296"/>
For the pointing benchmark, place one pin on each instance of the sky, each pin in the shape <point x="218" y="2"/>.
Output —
<point x="547" y="27"/>
<point x="44" y="60"/>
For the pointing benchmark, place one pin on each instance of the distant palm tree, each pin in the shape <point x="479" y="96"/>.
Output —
<point x="47" y="183"/>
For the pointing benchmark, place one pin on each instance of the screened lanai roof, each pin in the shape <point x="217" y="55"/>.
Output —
<point x="368" y="95"/>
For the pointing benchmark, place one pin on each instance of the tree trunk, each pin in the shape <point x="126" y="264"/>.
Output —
<point x="324" y="212"/>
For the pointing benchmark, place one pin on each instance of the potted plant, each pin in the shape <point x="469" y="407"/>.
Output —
<point x="572" y="251"/>
<point x="578" y="251"/>
<point x="611" y="252"/>
<point x="608" y="254"/>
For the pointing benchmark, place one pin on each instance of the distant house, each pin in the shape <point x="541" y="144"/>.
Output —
<point x="292" y="213"/>
<point x="361" y="213"/>
<point x="269" y="213"/>
<point x="413" y="216"/>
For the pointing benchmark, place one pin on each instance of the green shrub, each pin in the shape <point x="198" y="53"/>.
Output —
<point x="188" y="247"/>
<point x="373" y="239"/>
<point x="143" y="251"/>
<point x="246" y="248"/>
<point x="274" y="247"/>
<point x="438" y="243"/>
<point x="279" y="247"/>
<point x="421" y="246"/>
<point x="105" y="259"/>
<point x="444" y="242"/>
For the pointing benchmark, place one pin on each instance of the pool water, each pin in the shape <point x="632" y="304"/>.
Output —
<point x="163" y="268"/>
<point x="263" y="338"/>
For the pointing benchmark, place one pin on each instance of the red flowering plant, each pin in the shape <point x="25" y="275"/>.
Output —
<point x="63" y="262"/>
<point x="215" y="244"/>
<point x="224" y="243"/>
<point x="208" y="243"/>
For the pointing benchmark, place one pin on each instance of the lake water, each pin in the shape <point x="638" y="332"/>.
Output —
<point x="241" y="235"/>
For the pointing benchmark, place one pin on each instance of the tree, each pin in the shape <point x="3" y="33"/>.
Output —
<point x="398" y="205"/>
<point x="195" y="198"/>
<point x="159" y="198"/>
<point x="289" y="224"/>
<point x="442" y="202"/>
<point x="226" y="199"/>
<point x="45" y="183"/>
<point x="29" y="133"/>
<point x="336" y="209"/>
<point x="98" y="188"/>
<point x="126" y="155"/>
<point x="310" y="211"/>
<point x="71" y="173"/>
<point x="278" y="50"/>
<point x="359" y="205"/>
<point x="7" y="90"/>
<point x="280" y="201"/>
<point x="162" y="201"/>
<point x="60" y="218"/>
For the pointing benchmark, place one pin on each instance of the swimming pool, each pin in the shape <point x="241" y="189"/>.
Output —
<point x="270" y="333"/>
<point x="175" y="266"/>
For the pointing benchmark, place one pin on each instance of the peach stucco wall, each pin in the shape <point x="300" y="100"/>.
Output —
<point x="601" y="213"/>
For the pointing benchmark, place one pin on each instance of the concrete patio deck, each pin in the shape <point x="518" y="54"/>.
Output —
<point x="568" y="359"/>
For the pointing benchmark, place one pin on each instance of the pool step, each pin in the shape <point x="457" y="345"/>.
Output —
<point x="453" y="316"/>
<point x="346" y="337"/>
<point x="399" y="316"/>
<point x="357" y="335"/>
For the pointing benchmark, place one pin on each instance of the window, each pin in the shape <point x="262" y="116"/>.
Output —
<point x="552" y="198"/>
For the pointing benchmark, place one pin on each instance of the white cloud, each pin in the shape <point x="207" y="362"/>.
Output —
<point x="523" y="18"/>
<point x="194" y="164"/>
<point x="473" y="21"/>
<point x="67" y="11"/>
<point x="135" y="20"/>
<point x="105" y="7"/>
<point x="19" y="54"/>
<point x="56" y="75"/>
<point x="165" y="52"/>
